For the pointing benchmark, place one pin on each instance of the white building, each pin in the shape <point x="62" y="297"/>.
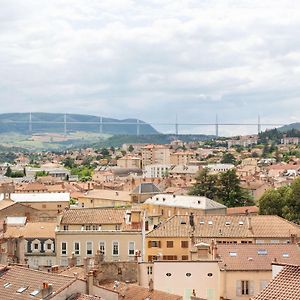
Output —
<point x="157" y="170"/>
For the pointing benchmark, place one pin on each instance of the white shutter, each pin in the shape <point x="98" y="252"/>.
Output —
<point x="251" y="288"/>
<point x="239" y="288"/>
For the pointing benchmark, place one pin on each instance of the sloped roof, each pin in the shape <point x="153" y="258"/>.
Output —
<point x="285" y="286"/>
<point x="194" y="202"/>
<point x="146" y="188"/>
<point x="20" y="277"/>
<point x="134" y="291"/>
<point x="255" y="257"/>
<point x="215" y="227"/>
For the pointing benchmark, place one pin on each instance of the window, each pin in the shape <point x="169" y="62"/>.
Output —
<point x="76" y="248"/>
<point x="58" y="205"/>
<point x="152" y="257"/>
<point x="149" y="270"/>
<point x="49" y="246"/>
<point x="169" y="257"/>
<point x="244" y="287"/>
<point x="184" y="257"/>
<point x="36" y="246"/>
<point x="95" y="227"/>
<point x="184" y="244"/>
<point x="131" y="248"/>
<point x="102" y="247"/>
<point x="82" y="204"/>
<point x="115" y="249"/>
<point x="118" y="227"/>
<point x="63" y="248"/>
<point x="170" y="244"/>
<point x="66" y="227"/>
<point x="89" y="248"/>
<point x="154" y="244"/>
<point x="87" y="227"/>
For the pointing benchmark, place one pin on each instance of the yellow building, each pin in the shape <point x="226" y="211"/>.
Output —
<point x="174" y="238"/>
<point x="117" y="233"/>
<point x="129" y="162"/>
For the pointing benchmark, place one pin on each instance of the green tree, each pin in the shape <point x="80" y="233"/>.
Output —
<point x="130" y="148"/>
<point x="292" y="209"/>
<point x="68" y="162"/>
<point x="8" y="172"/>
<point x="206" y="185"/>
<point x="230" y="192"/>
<point x="228" y="158"/>
<point x="104" y="152"/>
<point x="273" y="201"/>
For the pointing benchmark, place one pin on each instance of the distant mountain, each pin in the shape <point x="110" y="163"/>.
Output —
<point x="54" y="123"/>
<point x="286" y="128"/>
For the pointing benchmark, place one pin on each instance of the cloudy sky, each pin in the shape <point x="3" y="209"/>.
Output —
<point x="153" y="59"/>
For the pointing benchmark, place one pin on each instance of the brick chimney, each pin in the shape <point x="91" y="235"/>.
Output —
<point x="90" y="282"/>
<point x="47" y="290"/>
<point x="72" y="260"/>
<point x="293" y="238"/>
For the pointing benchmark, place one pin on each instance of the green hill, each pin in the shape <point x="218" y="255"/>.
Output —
<point x="54" y="123"/>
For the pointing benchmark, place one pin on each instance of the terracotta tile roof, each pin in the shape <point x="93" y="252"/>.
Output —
<point x="98" y="216"/>
<point x="79" y="296"/>
<point x="30" y="279"/>
<point x="285" y="286"/>
<point x="108" y="194"/>
<point x="6" y="203"/>
<point x="248" y="257"/>
<point x="93" y="216"/>
<point x="74" y="270"/>
<point x="215" y="227"/>
<point x="32" y="230"/>
<point x="136" y="292"/>
<point x="242" y="210"/>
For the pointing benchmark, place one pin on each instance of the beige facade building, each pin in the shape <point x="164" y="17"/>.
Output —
<point x="182" y="158"/>
<point x="129" y="162"/>
<point x="117" y="233"/>
<point x="155" y="154"/>
<point x="173" y="239"/>
<point x="104" y="198"/>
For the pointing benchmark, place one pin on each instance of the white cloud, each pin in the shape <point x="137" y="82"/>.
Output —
<point x="152" y="59"/>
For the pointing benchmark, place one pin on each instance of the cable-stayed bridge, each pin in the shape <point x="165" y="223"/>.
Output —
<point x="101" y="122"/>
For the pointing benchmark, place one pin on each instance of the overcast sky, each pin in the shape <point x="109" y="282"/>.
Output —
<point x="153" y="59"/>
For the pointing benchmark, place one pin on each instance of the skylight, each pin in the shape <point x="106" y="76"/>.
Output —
<point x="285" y="255"/>
<point x="209" y="222"/>
<point x="34" y="293"/>
<point x="22" y="289"/>
<point x="241" y="223"/>
<point x="6" y="285"/>
<point x="262" y="252"/>
<point x="232" y="254"/>
<point x="227" y="223"/>
<point x="201" y="222"/>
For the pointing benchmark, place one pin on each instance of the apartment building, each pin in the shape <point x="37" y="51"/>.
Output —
<point x="173" y="239"/>
<point x="157" y="171"/>
<point x="182" y="157"/>
<point x="155" y="154"/>
<point x="117" y="233"/>
<point x="129" y="162"/>
<point x="28" y="243"/>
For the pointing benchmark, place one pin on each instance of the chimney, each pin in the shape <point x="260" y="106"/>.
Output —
<point x="72" y="260"/>
<point x="150" y="284"/>
<point x="192" y="222"/>
<point x="99" y="257"/>
<point x="249" y="221"/>
<point x="90" y="282"/>
<point x="294" y="238"/>
<point x="214" y="249"/>
<point x="46" y="290"/>
<point x="4" y="226"/>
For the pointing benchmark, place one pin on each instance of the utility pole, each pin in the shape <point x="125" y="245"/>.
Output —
<point x="217" y="127"/>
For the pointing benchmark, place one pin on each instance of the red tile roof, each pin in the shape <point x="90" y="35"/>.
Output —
<point x="285" y="286"/>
